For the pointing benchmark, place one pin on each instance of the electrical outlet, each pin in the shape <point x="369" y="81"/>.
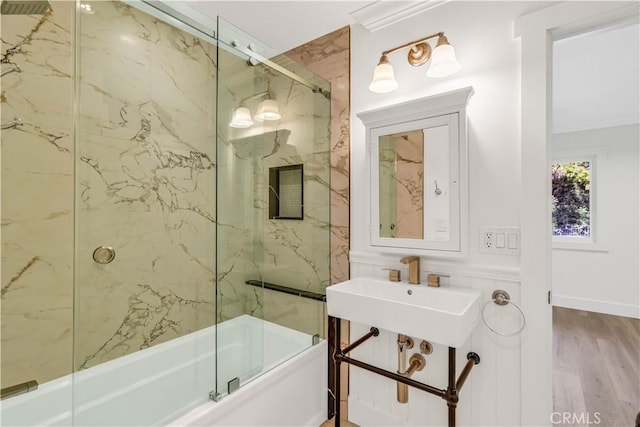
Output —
<point x="488" y="239"/>
<point x="500" y="240"/>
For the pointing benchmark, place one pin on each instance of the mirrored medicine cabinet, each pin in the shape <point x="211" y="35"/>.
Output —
<point x="417" y="160"/>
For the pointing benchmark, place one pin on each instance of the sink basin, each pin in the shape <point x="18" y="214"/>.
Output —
<point x="445" y="316"/>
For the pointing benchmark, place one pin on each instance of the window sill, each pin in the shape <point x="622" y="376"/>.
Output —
<point x="579" y="246"/>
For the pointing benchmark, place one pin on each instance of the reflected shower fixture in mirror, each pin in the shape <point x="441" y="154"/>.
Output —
<point x="443" y="62"/>
<point x="267" y="111"/>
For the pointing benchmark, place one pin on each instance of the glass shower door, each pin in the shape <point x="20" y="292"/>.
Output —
<point x="145" y="216"/>
<point x="273" y="193"/>
<point x="133" y="183"/>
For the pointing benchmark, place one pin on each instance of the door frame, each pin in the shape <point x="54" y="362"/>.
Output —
<point x="537" y="31"/>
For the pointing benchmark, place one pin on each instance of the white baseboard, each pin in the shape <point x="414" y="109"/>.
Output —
<point x="614" y="308"/>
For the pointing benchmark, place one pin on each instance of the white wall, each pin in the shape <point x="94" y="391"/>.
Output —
<point x="490" y="59"/>
<point x="482" y="34"/>
<point x="605" y="281"/>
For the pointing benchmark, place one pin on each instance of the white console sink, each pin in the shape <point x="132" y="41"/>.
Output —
<point x="445" y="316"/>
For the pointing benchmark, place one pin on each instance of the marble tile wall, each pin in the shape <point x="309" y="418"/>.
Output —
<point x="328" y="56"/>
<point x="309" y="254"/>
<point x="37" y="196"/>
<point x="297" y="253"/>
<point x="145" y="183"/>
<point x="292" y="253"/>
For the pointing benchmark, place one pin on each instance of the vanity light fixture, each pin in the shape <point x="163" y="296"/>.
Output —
<point x="443" y="62"/>
<point x="267" y="110"/>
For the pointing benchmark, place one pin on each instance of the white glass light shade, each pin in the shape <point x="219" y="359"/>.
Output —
<point x="443" y="61"/>
<point x="383" y="79"/>
<point x="86" y="8"/>
<point x="241" y="118"/>
<point x="268" y="110"/>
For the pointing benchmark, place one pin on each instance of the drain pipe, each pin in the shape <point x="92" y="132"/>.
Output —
<point x="405" y="343"/>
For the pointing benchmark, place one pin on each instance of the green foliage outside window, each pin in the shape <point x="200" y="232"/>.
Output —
<point x="571" y="182"/>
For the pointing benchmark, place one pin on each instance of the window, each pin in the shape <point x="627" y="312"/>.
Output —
<point x="575" y="182"/>
<point x="571" y="198"/>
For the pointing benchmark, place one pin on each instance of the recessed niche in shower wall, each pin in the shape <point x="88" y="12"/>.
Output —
<point x="286" y="192"/>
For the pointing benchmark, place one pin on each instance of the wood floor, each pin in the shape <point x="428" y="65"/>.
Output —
<point x="596" y="368"/>
<point x="343" y="423"/>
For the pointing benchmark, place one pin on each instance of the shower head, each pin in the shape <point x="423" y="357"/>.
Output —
<point x="25" y="7"/>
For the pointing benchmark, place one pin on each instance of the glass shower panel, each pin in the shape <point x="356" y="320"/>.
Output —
<point x="145" y="217"/>
<point x="239" y="152"/>
<point x="273" y="207"/>
<point x="298" y="251"/>
<point x="36" y="199"/>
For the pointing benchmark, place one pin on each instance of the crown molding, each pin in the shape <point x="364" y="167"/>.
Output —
<point x="380" y="14"/>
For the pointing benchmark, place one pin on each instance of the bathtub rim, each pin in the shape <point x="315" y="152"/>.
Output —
<point x="199" y="416"/>
<point x="64" y="387"/>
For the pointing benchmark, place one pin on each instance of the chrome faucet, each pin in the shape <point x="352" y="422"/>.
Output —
<point x="414" y="268"/>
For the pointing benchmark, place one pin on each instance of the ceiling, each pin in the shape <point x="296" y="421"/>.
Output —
<point x="590" y="70"/>
<point x="596" y="79"/>
<point x="282" y="25"/>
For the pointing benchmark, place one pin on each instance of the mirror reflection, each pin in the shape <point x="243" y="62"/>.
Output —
<point x="401" y="184"/>
<point x="414" y="177"/>
<point x="417" y="160"/>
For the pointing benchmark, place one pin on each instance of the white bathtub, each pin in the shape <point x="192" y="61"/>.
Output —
<point x="169" y="384"/>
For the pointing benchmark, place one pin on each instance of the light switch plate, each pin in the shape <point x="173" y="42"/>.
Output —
<point x="500" y="240"/>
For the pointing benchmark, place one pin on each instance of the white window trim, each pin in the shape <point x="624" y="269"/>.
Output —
<point x="597" y="157"/>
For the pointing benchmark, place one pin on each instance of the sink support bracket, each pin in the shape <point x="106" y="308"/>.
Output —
<point x="373" y="332"/>
<point x="450" y="394"/>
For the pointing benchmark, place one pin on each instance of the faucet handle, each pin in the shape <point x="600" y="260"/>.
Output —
<point x="394" y="274"/>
